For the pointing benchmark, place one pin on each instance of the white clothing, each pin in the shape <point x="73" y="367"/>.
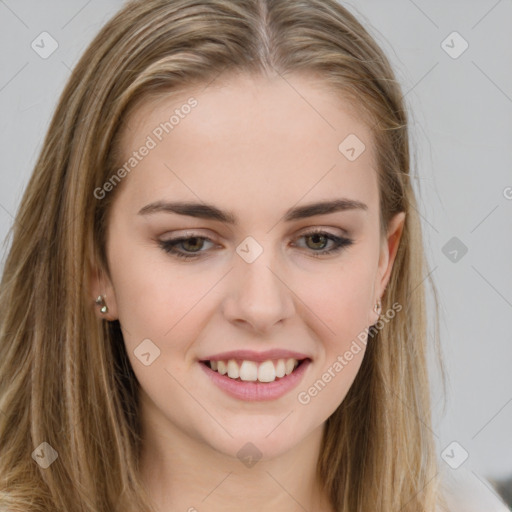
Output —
<point x="466" y="491"/>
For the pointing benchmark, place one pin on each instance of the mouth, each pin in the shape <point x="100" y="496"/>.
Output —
<point x="268" y="371"/>
<point x="263" y="380"/>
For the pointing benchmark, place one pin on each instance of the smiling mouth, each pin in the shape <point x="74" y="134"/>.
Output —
<point x="251" y="371"/>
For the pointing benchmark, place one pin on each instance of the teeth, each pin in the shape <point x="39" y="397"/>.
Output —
<point x="233" y="371"/>
<point x="221" y="367"/>
<point x="290" y="365"/>
<point x="250" y="371"/>
<point x="280" y="368"/>
<point x="267" y="372"/>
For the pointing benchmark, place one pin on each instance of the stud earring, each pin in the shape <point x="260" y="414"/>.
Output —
<point x="100" y="301"/>
<point x="378" y="307"/>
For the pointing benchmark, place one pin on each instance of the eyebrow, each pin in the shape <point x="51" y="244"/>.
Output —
<point x="208" y="211"/>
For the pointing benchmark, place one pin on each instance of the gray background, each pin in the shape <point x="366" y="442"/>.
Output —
<point x="461" y="126"/>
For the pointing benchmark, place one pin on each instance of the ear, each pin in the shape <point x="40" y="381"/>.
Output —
<point x="101" y="284"/>
<point x="389" y="248"/>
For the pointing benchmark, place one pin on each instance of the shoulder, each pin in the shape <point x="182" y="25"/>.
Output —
<point x="466" y="491"/>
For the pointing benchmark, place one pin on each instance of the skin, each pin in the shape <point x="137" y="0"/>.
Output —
<point x="256" y="147"/>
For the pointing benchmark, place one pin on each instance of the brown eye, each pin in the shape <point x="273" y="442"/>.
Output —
<point x="190" y="247"/>
<point x="195" y="245"/>
<point x="189" y="250"/>
<point x="319" y="240"/>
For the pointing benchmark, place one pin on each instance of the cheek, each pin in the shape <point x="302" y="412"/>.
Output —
<point x="333" y="377"/>
<point x="160" y="314"/>
<point x="340" y="301"/>
<point x="154" y="298"/>
<point x="341" y="298"/>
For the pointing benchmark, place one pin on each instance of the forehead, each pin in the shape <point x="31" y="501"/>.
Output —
<point x="250" y="140"/>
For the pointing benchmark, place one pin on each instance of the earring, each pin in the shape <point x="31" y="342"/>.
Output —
<point x="378" y="307"/>
<point x="100" y="301"/>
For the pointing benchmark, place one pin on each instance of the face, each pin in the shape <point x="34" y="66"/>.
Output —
<point x="250" y="268"/>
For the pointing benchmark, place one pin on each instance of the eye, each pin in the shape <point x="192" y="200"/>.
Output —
<point x="320" y="239"/>
<point x="169" y="246"/>
<point x="191" y="245"/>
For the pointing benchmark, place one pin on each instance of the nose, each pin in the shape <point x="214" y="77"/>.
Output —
<point x="259" y="297"/>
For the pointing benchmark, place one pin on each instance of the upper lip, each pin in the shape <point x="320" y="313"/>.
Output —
<point x="250" y="355"/>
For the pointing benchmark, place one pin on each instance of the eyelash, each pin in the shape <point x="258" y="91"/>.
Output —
<point x="169" y="246"/>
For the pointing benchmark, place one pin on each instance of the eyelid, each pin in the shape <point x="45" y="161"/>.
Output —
<point x="341" y="242"/>
<point x="343" y="233"/>
<point x="191" y="233"/>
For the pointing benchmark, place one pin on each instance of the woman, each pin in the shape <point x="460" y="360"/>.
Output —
<point x="280" y="363"/>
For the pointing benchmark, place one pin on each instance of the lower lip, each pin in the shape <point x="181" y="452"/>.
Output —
<point x="255" y="390"/>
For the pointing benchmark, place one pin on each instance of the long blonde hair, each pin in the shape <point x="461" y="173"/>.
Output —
<point x="64" y="374"/>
